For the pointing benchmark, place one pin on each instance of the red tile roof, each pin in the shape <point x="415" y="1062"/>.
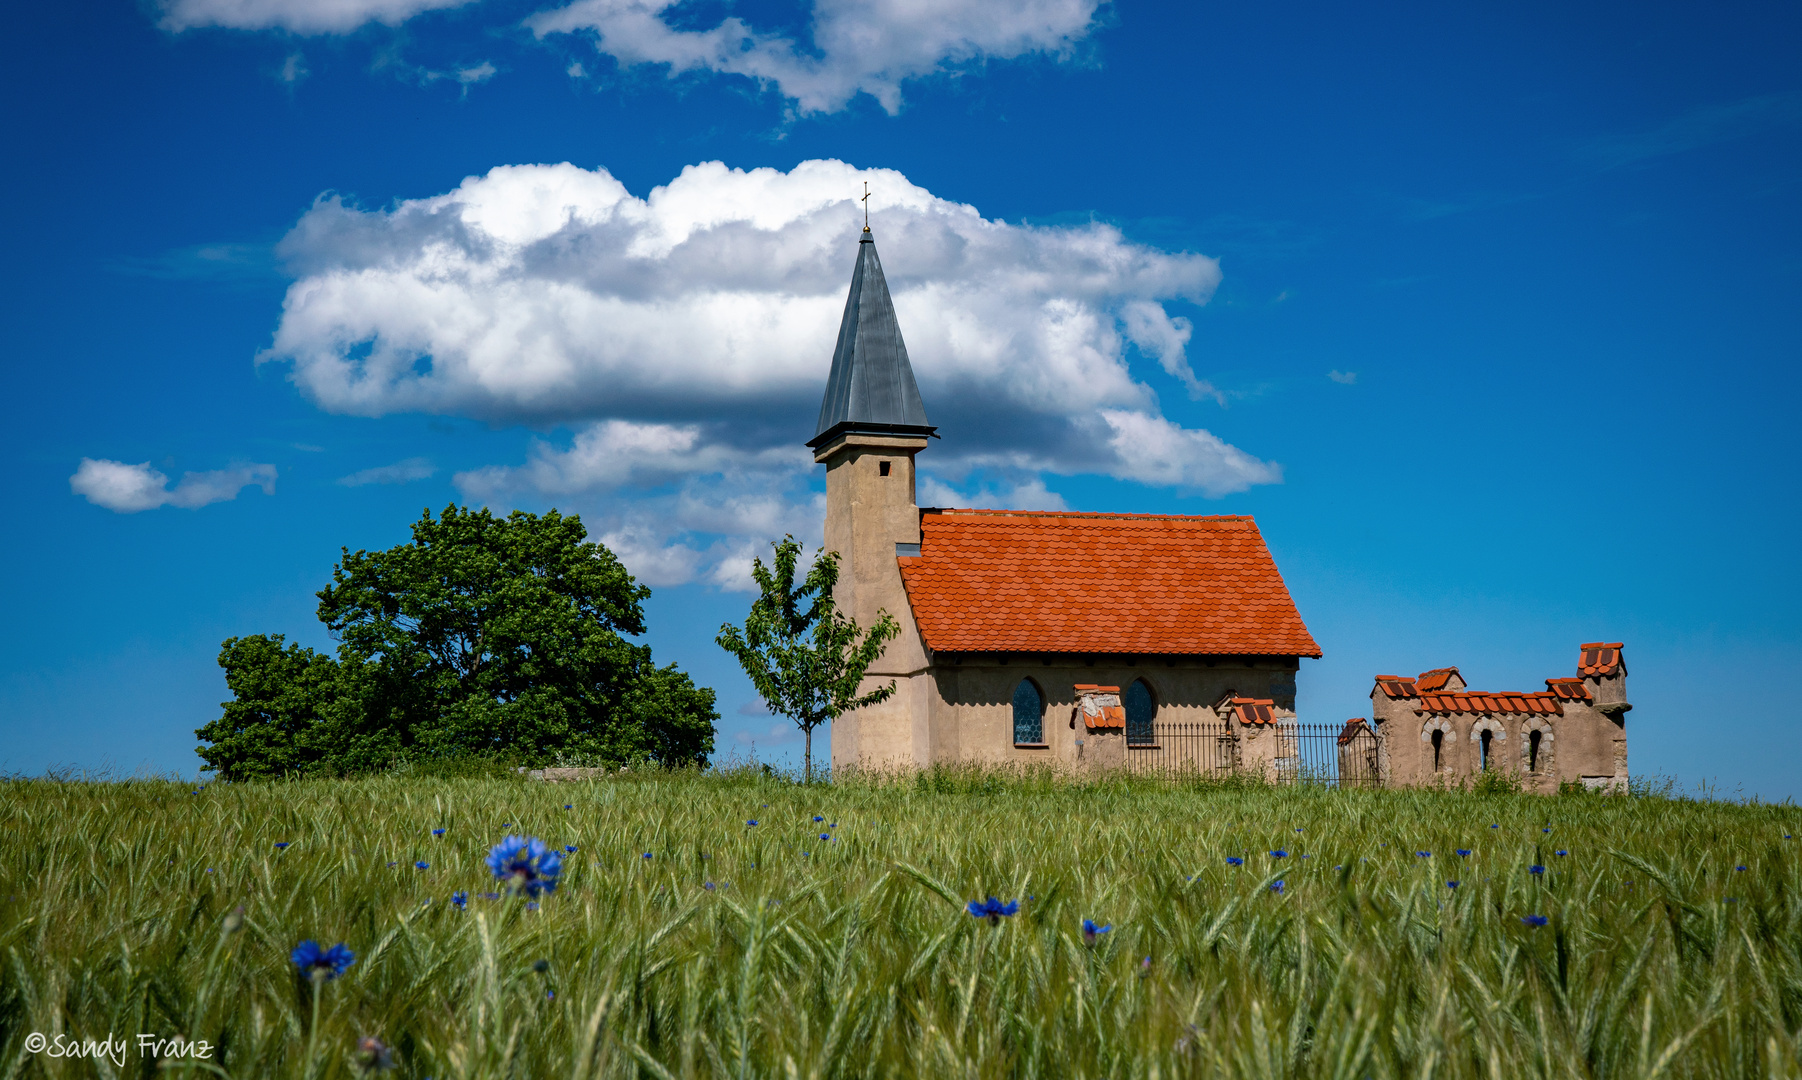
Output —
<point x="1001" y="580"/>
<point x="1436" y="678"/>
<point x="1568" y="689"/>
<point x="1353" y="728"/>
<point x="1508" y="701"/>
<point x="1600" y="658"/>
<point x="1398" y="687"/>
<point x="1254" y="710"/>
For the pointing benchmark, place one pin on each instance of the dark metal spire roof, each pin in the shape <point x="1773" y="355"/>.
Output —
<point x="871" y="387"/>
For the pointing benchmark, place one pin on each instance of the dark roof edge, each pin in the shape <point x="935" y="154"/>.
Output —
<point x="865" y="427"/>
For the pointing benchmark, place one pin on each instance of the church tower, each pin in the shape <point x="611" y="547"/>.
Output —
<point x="871" y="425"/>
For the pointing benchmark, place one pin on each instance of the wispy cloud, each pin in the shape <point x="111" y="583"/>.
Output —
<point x="401" y="472"/>
<point x="128" y="489"/>
<point x="1699" y="127"/>
<point x="227" y="263"/>
<point x="852" y="47"/>
<point x="295" y="16"/>
<point x="1343" y="378"/>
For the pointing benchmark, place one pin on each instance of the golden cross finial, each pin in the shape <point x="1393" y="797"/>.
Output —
<point x="866" y="205"/>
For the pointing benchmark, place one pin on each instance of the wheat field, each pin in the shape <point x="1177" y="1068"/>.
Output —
<point x="682" y="941"/>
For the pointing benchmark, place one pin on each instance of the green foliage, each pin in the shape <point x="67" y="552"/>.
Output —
<point x="855" y="959"/>
<point x="806" y="659"/>
<point x="485" y="636"/>
<point x="282" y="701"/>
<point x="1496" y="782"/>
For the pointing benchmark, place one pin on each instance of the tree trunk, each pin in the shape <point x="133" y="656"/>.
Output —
<point x="807" y="755"/>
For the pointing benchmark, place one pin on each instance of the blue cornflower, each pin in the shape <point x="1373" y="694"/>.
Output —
<point x="525" y="864"/>
<point x="506" y="824"/>
<point x="1451" y="884"/>
<point x="834" y="825"/>
<point x="532" y="905"/>
<point x="1463" y="853"/>
<point x="568" y="806"/>
<point x="392" y="864"/>
<point x="315" y="962"/>
<point x="571" y="848"/>
<point x="753" y="821"/>
<point x="1234" y="860"/>
<point x="460" y="899"/>
<point x="708" y="886"/>
<point x="1423" y="854"/>
<point x="1279" y="853"/>
<point x="1546" y="829"/>
<point x="825" y="836"/>
<point x="1561" y="852"/>
<point x="1090" y="931"/>
<point x="993" y="909"/>
<point x="437" y="832"/>
<point x="282" y="843"/>
<point x="817" y="817"/>
<point x="647" y="854"/>
<point x="1495" y="826"/>
<point x="1534" y="920"/>
<point x="1741" y="868"/>
<point x="1298" y="828"/>
<point x="1535" y="869"/>
<point x="1276" y="886"/>
<point x="422" y="866"/>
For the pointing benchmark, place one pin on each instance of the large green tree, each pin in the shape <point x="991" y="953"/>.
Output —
<point x="484" y="634"/>
<point x="805" y="657"/>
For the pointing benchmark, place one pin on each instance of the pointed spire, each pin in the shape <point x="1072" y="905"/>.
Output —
<point x="871" y="387"/>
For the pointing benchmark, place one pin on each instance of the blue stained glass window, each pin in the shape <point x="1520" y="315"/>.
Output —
<point x="1029" y="713"/>
<point x="1139" y="711"/>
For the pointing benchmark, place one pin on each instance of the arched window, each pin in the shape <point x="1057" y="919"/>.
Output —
<point x="1029" y="713"/>
<point x="1140" y="709"/>
<point x="1487" y="735"/>
<point x="1438" y="745"/>
<point x="1533" y="751"/>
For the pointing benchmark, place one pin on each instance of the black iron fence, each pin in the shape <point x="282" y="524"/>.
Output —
<point x="1299" y="753"/>
<point x="1183" y="751"/>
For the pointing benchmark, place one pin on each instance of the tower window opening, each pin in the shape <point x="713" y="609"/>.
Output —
<point x="1487" y="735"/>
<point x="882" y="469"/>
<point x="1438" y="745"/>
<point x="1533" y="752"/>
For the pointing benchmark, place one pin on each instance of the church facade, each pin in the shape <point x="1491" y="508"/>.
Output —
<point x="1030" y="637"/>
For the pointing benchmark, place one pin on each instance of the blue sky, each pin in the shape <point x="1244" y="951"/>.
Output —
<point x="1488" y="313"/>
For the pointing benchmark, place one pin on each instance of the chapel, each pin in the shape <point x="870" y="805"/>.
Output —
<point x="1047" y="637"/>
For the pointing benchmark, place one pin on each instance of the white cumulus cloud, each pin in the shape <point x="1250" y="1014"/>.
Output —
<point x="127" y="489"/>
<point x="296" y="16"/>
<point x="867" y="46"/>
<point x="684" y="338"/>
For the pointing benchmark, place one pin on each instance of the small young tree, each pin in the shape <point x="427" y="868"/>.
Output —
<point x="803" y="656"/>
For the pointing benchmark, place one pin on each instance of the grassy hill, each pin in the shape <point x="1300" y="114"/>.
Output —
<point x="683" y="941"/>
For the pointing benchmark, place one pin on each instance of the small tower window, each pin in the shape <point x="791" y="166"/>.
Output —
<point x="1487" y="735"/>
<point x="882" y="469"/>
<point x="1140" y="710"/>
<point x="1029" y="713"/>
<point x="1533" y="751"/>
<point x="1438" y="745"/>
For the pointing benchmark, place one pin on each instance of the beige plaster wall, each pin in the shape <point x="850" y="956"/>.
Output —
<point x="973" y="701"/>
<point x="867" y="514"/>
